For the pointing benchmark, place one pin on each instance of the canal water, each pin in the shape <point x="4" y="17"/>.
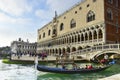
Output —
<point x="28" y="72"/>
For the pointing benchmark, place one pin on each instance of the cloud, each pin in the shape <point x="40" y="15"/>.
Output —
<point x="46" y="15"/>
<point x="9" y="34"/>
<point x="5" y="19"/>
<point x="43" y="14"/>
<point x="15" y="7"/>
<point x="54" y="5"/>
<point x="22" y="18"/>
<point x="62" y="5"/>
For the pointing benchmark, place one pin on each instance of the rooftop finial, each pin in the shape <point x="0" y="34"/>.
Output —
<point x="55" y="14"/>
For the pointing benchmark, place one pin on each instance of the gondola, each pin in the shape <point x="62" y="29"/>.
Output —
<point x="70" y="71"/>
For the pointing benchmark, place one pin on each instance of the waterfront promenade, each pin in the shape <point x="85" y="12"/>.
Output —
<point x="32" y="58"/>
<point x="49" y="58"/>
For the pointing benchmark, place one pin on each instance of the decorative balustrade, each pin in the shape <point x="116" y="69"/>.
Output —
<point x="97" y="48"/>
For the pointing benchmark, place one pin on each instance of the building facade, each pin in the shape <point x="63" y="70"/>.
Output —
<point x="89" y="23"/>
<point x="21" y="47"/>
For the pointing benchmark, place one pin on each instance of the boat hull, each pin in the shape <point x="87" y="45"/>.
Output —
<point x="70" y="71"/>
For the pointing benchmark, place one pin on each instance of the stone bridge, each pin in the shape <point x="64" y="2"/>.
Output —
<point x="90" y="53"/>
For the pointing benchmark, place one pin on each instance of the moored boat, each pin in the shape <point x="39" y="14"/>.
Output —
<point x="70" y="71"/>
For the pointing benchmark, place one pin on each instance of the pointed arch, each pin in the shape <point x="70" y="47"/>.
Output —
<point x="95" y="34"/>
<point x="68" y="49"/>
<point x="90" y="35"/>
<point x="56" y="51"/>
<point x="73" y="49"/>
<point x="63" y="51"/>
<point x="78" y="37"/>
<point x="53" y="51"/>
<point x="75" y="38"/>
<point x="86" y="36"/>
<point x="39" y="36"/>
<point x="49" y="32"/>
<point x="90" y="16"/>
<point x="61" y="26"/>
<point x="100" y="33"/>
<point x="60" y="52"/>
<point x="82" y="37"/>
<point x="80" y="48"/>
<point x="43" y="34"/>
<point x="72" y="39"/>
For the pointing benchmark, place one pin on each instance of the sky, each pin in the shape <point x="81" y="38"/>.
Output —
<point x="22" y="18"/>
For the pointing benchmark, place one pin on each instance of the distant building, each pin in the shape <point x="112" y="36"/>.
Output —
<point x="5" y="50"/>
<point x="22" y="47"/>
<point x="89" y="23"/>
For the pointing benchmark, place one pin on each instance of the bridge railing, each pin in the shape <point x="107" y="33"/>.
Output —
<point x="97" y="48"/>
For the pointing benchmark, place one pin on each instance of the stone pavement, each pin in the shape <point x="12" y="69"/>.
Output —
<point x="49" y="58"/>
<point x="28" y="58"/>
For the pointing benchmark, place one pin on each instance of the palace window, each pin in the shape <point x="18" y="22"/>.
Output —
<point x="43" y="34"/>
<point x="64" y="17"/>
<point x="109" y="14"/>
<point x="94" y="0"/>
<point x="75" y="12"/>
<point x="90" y="36"/>
<point x="90" y="16"/>
<point x="116" y="3"/>
<point x="88" y="5"/>
<point x="39" y="36"/>
<point x="80" y="8"/>
<point x="49" y="32"/>
<point x="61" y="26"/>
<point x="100" y="34"/>
<point x="72" y="23"/>
<point x="110" y="1"/>
<point x="54" y="31"/>
<point x="95" y="34"/>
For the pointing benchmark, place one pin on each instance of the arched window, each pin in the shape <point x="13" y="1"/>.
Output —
<point x="110" y="1"/>
<point x="100" y="34"/>
<point x="109" y="14"/>
<point x="78" y="38"/>
<point x="39" y="36"/>
<point x="90" y="16"/>
<point x="95" y="34"/>
<point x="49" y="32"/>
<point x="82" y="37"/>
<point x="90" y="36"/>
<point x="73" y="49"/>
<point x="53" y="51"/>
<point x="68" y="49"/>
<point x="43" y="34"/>
<point x="72" y="23"/>
<point x="86" y="36"/>
<point x="75" y="38"/>
<point x="60" y="51"/>
<point x="56" y="51"/>
<point x="54" y="31"/>
<point x="61" y="26"/>
<point x="72" y="39"/>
